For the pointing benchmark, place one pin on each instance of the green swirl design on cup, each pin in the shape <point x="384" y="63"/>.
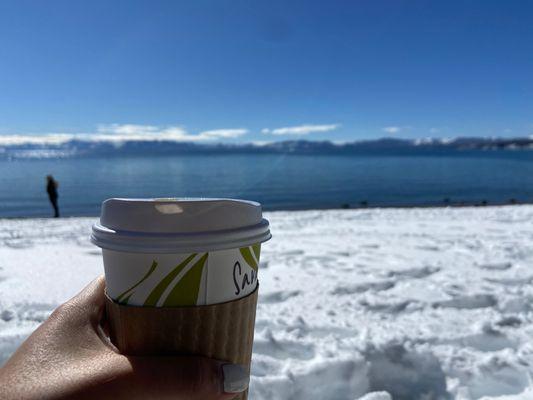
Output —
<point x="251" y="255"/>
<point x="186" y="290"/>
<point x="125" y="296"/>
<point x="156" y="294"/>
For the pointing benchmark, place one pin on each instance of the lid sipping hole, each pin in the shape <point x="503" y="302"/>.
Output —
<point x="169" y="208"/>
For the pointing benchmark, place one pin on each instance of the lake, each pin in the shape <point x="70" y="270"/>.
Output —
<point x="277" y="181"/>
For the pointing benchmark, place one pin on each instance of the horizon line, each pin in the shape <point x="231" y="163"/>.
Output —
<point x="62" y="139"/>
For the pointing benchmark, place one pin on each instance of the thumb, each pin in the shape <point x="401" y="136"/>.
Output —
<point x="191" y="377"/>
<point x="178" y="378"/>
<point x="87" y="304"/>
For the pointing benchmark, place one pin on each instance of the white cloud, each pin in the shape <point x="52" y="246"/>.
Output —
<point x="301" y="129"/>
<point x="53" y="138"/>
<point x="118" y="133"/>
<point x="127" y="129"/>
<point x="392" y="129"/>
<point x="434" y="130"/>
<point x="223" y="133"/>
<point x="262" y="142"/>
<point x="126" y="132"/>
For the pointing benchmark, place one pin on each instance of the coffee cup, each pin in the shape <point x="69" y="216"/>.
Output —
<point x="184" y="268"/>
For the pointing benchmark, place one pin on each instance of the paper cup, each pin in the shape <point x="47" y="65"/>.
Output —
<point x="181" y="279"/>
<point x="180" y="269"/>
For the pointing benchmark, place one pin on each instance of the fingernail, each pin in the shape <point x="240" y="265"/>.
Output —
<point x="236" y="378"/>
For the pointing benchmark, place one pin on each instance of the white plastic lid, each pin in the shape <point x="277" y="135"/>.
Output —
<point x="179" y="225"/>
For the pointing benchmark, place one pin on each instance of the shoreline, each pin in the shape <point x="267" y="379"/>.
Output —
<point x="346" y="206"/>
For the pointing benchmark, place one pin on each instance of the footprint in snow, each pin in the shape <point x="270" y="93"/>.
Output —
<point x="405" y="374"/>
<point x="511" y="281"/>
<point x="283" y="349"/>
<point x="428" y="247"/>
<point x="486" y="341"/>
<point x="415" y="273"/>
<point x="320" y="258"/>
<point x="391" y="307"/>
<point x="377" y="286"/>
<point x="292" y="253"/>
<point x="468" y="302"/>
<point x="278" y="297"/>
<point x="453" y="289"/>
<point x="18" y="244"/>
<point x="32" y="312"/>
<point x="370" y="246"/>
<point x="496" y="266"/>
<point x="510" y="321"/>
<point x="340" y="254"/>
<point x="7" y="315"/>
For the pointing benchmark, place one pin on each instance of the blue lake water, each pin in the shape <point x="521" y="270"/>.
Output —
<point x="277" y="181"/>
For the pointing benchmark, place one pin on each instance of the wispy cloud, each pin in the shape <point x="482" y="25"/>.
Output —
<point x="223" y="133"/>
<point x="301" y="129"/>
<point x="434" y="130"/>
<point x="127" y="129"/>
<point x="392" y="129"/>
<point x="261" y="142"/>
<point x="126" y="132"/>
<point x="46" y="139"/>
<point x="119" y="133"/>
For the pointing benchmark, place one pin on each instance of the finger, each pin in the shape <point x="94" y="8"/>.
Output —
<point x="86" y="306"/>
<point x="92" y="296"/>
<point x="195" y="377"/>
<point x="181" y="377"/>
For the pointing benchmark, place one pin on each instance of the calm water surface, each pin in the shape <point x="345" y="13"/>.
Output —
<point x="277" y="181"/>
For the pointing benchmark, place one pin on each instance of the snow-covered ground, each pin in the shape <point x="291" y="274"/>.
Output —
<point x="378" y="304"/>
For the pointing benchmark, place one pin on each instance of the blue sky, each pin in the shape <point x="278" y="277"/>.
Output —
<point x="265" y="70"/>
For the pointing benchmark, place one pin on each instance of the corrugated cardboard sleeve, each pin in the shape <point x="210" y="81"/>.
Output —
<point x="221" y="331"/>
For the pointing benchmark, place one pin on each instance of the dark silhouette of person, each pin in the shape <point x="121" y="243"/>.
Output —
<point x="51" y="189"/>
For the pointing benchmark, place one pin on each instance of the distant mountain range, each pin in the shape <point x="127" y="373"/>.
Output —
<point x="86" y="148"/>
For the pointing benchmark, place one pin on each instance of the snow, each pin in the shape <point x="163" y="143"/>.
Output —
<point x="376" y="304"/>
